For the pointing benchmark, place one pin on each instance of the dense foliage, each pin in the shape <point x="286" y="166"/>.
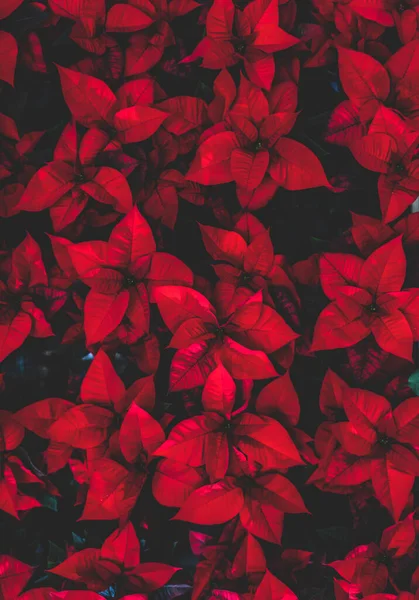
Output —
<point x="209" y="299"/>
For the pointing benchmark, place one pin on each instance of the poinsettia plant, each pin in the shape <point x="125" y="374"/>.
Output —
<point x="209" y="299"/>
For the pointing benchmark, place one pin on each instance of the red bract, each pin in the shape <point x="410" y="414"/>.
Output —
<point x="240" y="340"/>
<point x="14" y="161"/>
<point x="153" y="20"/>
<point x="375" y="444"/>
<point x="122" y="273"/>
<point x="234" y="394"/>
<point x="369" y="85"/>
<point x="260" y="501"/>
<point x="89" y="14"/>
<point x="20" y="317"/>
<point x="127" y="116"/>
<point x="11" y="435"/>
<point x="160" y="199"/>
<point x="210" y="438"/>
<point x="340" y="24"/>
<point x="251" y="35"/>
<point x="8" y="6"/>
<point x="249" y="146"/>
<point x="367" y="297"/>
<point x="117" y="560"/>
<point x="390" y="148"/>
<point x="370" y="567"/>
<point x="14" y="575"/>
<point x="368" y="233"/>
<point x="110" y="421"/>
<point x="247" y="260"/>
<point x="10" y="50"/>
<point x="66" y="184"/>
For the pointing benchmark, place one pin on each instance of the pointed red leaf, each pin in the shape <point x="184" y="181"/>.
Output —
<point x="363" y="79"/>
<point x="271" y="588"/>
<point x="124" y="18"/>
<point x="38" y="417"/>
<point x="122" y="547"/>
<point x="338" y="270"/>
<point x="139" y="432"/>
<point x="8" y="57"/>
<point x="138" y="123"/>
<point x="247" y="168"/>
<point x="279" y="399"/>
<point x="109" y="186"/>
<point x="90" y="100"/>
<point x="103" y="313"/>
<point x="385" y="269"/>
<point x="130" y="240"/>
<point x="219" y="392"/>
<point x="211" y="164"/>
<point x="13" y="334"/>
<point x="149" y="576"/>
<point x="179" y="478"/>
<point x="84" y="426"/>
<point x="14" y="575"/>
<point x="296" y="167"/>
<point x="224" y="245"/>
<point x="101" y="384"/>
<point x="113" y="491"/>
<point x="391" y="487"/>
<point x="212" y="504"/>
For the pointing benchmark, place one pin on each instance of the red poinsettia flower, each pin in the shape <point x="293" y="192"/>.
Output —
<point x="279" y="400"/>
<point x="370" y="567"/>
<point x="374" y="444"/>
<point x="339" y="24"/>
<point x="245" y="258"/>
<point x="369" y="233"/>
<point x="89" y="15"/>
<point x="14" y="163"/>
<point x="369" y="85"/>
<point x="19" y="315"/>
<point x="153" y="20"/>
<point x="250" y="144"/>
<point x="391" y="148"/>
<point x="367" y="297"/>
<point x="260" y="499"/>
<point x="119" y="273"/>
<point x="160" y="197"/>
<point x="13" y="472"/>
<point x="210" y="438"/>
<point x="110" y="421"/>
<point x="128" y="116"/>
<point x="251" y="35"/>
<point x="66" y="184"/>
<point x="402" y="13"/>
<point x="241" y="340"/>
<point x="117" y="560"/>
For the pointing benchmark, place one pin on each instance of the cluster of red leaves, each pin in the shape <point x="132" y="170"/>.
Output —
<point x="216" y="439"/>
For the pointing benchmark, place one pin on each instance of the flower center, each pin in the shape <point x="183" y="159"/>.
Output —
<point x="79" y="178"/>
<point x="384" y="441"/>
<point x="372" y="308"/>
<point x="246" y="482"/>
<point x="383" y="558"/>
<point x="239" y="46"/>
<point x="130" y="281"/>
<point x="258" y="146"/>
<point x="219" y="333"/>
<point x="399" y="168"/>
<point x="227" y="426"/>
